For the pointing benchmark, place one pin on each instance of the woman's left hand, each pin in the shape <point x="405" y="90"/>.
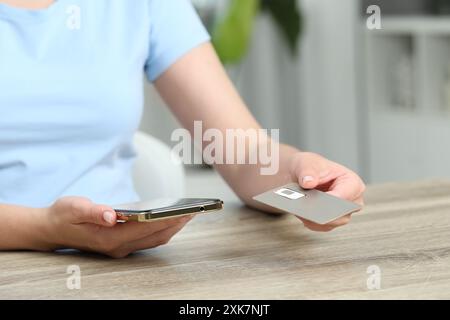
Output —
<point x="315" y="172"/>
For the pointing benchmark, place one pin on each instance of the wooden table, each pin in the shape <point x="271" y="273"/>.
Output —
<point x="404" y="232"/>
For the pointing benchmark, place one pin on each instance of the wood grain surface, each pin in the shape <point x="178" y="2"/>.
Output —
<point x="404" y="231"/>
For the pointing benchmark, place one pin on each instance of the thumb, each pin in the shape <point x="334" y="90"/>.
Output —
<point x="308" y="178"/>
<point x="84" y="211"/>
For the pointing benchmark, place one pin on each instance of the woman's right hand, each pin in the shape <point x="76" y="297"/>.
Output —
<point x="77" y="223"/>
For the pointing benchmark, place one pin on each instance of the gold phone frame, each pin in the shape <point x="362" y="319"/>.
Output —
<point x="151" y="215"/>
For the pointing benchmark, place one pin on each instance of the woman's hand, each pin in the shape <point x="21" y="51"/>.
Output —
<point x="78" y="223"/>
<point x="315" y="172"/>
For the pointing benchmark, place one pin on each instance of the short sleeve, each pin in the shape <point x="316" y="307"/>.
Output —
<point x="175" y="29"/>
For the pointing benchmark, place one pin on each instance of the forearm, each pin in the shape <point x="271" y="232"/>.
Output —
<point x="22" y="228"/>
<point x="247" y="180"/>
<point x="204" y="92"/>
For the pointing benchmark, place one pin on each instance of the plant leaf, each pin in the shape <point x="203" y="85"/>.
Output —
<point x="286" y="14"/>
<point x="231" y="36"/>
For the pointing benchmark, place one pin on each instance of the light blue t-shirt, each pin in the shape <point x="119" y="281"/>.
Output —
<point x="71" y="93"/>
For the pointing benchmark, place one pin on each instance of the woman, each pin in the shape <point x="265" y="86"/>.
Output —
<point x="70" y="102"/>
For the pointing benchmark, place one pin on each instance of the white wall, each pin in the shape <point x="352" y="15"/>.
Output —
<point x="330" y="110"/>
<point x="269" y="83"/>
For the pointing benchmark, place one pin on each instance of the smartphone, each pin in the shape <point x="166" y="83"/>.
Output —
<point x="313" y="205"/>
<point x="158" y="209"/>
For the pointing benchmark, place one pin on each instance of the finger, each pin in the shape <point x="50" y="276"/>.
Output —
<point x="329" y="226"/>
<point x="132" y="231"/>
<point x="340" y="222"/>
<point x="309" y="178"/>
<point x="84" y="211"/>
<point x="157" y="239"/>
<point x="311" y="170"/>
<point x="359" y="201"/>
<point x="316" y="227"/>
<point x="349" y="187"/>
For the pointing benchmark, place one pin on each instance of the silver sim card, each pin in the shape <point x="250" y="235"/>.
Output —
<point x="313" y="205"/>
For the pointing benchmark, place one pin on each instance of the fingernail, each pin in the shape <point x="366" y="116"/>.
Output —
<point x="307" y="179"/>
<point x="109" y="217"/>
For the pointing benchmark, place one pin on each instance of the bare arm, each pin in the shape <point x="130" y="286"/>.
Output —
<point x="198" y="88"/>
<point x="21" y="228"/>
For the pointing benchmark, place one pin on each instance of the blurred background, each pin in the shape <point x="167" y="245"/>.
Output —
<point x="377" y="101"/>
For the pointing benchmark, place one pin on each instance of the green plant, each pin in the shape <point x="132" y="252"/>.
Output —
<point x="231" y="35"/>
